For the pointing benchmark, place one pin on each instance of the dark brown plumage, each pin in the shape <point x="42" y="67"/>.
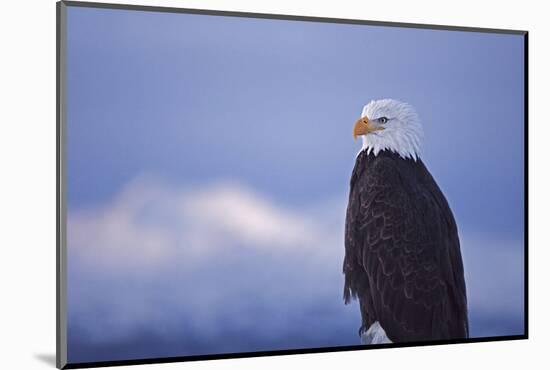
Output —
<point x="403" y="258"/>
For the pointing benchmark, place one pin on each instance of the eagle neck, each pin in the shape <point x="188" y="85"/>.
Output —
<point x="406" y="146"/>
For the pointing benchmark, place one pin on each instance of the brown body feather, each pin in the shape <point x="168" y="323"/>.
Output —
<point x="403" y="259"/>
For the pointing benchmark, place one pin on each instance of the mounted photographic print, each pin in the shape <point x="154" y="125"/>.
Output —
<point x="235" y="184"/>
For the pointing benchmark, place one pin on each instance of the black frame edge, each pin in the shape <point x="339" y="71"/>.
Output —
<point x="526" y="183"/>
<point x="287" y="352"/>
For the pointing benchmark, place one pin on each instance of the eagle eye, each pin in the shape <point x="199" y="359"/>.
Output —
<point x="383" y="119"/>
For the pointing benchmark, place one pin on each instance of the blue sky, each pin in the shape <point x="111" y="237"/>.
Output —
<point x="247" y="123"/>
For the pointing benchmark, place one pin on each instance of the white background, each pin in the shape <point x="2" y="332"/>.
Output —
<point x="27" y="196"/>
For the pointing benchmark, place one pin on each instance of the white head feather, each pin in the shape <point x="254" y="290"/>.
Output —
<point x="402" y="132"/>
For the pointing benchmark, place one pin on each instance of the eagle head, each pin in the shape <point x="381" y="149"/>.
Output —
<point x="389" y="124"/>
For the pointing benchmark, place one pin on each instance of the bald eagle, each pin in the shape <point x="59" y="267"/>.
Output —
<point x="402" y="252"/>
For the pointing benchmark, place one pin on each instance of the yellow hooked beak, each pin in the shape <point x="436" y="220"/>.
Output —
<point x="363" y="126"/>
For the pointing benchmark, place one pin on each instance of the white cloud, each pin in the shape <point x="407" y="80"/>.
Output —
<point x="151" y="222"/>
<point x="157" y="254"/>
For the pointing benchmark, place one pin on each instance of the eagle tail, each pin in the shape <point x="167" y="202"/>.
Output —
<point x="375" y="335"/>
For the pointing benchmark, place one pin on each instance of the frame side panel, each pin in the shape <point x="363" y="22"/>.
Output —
<point x="61" y="216"/>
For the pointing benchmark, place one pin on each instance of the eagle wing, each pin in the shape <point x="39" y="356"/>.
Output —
<point x="403" y="257"/>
